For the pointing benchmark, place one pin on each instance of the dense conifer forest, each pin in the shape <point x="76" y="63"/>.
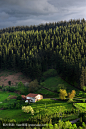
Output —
<point x="34" y="49"/>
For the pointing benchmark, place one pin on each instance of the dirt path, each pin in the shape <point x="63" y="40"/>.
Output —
<point x="74" y="121"/>
<point x="12" y="76"/>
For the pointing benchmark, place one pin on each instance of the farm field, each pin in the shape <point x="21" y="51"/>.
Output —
<point x="5" y="94"/>
<point x="43" y="107"/>
<point x="52" y="107"/>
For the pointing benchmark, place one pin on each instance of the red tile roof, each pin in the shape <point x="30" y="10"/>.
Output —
<point x="31" y="95"/>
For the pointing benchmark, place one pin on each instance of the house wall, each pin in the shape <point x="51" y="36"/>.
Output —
<point x="33" y="99"/>
<point x="39" y="97"/>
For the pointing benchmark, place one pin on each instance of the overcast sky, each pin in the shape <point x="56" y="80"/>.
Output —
<point x="34" y="12"/>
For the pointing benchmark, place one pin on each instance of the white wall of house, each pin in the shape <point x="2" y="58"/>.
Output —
<point x="39" y="97"/>
<point x="33" y="99"/>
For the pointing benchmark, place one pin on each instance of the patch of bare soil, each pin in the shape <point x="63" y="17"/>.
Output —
<point x="12" y="76"/>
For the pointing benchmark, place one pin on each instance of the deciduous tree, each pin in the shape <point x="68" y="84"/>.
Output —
<point x="28" y="109"/>
<point x="72" y="94"/>
<point x="62" y="94"/>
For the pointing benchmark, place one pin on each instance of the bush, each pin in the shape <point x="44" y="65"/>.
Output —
<point x="5" y="106"/>
<point x="83" y="100"/>
<point x="9" y="82"/>
<point x="81" y="114"/>
<point x="12" y="89"/>
<point x="20" y="84"/>
<point x="60" y="86"/>
<point x="0" y="87"/>
<point x="84" y="88"/>
<point x="84" y="118"/>
<point x="6" y="88"/>
<point x="19" y="97"/>
<point x="28" y="109"/>
<point x="70" y="101"/>
<point x="3" y="89"/>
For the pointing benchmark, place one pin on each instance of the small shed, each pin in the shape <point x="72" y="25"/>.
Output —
<point x="23" y="97"/>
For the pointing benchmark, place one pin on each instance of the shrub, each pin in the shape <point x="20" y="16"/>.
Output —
<point x="70" y="101"/>
<point x="84" y="118"/>
<point x="60" y="86"/>
<point x="9" y="82"/>
<point x="28" y="109"/>
<point x="12" y="89"/>
<point x="81" y="114"/>
<point x="12" y="120"/>
<point x="83" y="125"/>
<point x="83" y="100"/>
<point x="3" y="89"/>
<point x="0" y="87"/>
<point x="19" y="97"/>
<point x="20" y="84"/>
<point x="5" y="106"/>
<point x="18" y="104"/>
<point x="80" y="94"/>
<point x="84" y="88"/>
<point x="6" y="88"/>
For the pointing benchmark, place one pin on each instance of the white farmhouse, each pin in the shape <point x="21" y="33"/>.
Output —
<point x="33" y="97"/>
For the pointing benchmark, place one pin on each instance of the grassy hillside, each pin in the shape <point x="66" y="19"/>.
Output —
<point x="53" y="84"/>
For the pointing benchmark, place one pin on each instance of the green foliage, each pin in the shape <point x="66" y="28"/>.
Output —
<point x="83" y="100"/>
<point x="67" y="124"/>
<point x="19" y="97"/>
<point x="12" y="120"/>
<point x="28" y="109"/>
<point x="49" y="73"/>
<point x="60" y="86"/>
<point x="42" y="83"/>
<point x="83" y="125"/>
<point x="74" y="126"/>
<point x="84" y="117"/>
<point x="0" y="87"/>
<point x="33" y="86"/>
<point x="70" y="101"/>
<point x="12" y="89"/>
<point x="84" y="88"/>
<point x="20" y="84"/>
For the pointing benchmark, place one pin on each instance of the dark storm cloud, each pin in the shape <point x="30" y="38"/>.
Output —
<point x="34" y="12"/>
